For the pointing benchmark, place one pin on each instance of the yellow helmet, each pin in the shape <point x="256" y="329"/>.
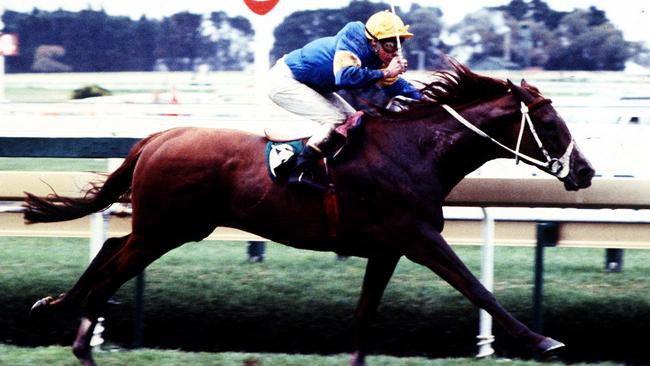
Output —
<point x="381" y="25"/>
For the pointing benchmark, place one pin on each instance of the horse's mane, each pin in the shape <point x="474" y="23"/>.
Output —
<point x="455" y="87"/>
<point x="461" y="86"/>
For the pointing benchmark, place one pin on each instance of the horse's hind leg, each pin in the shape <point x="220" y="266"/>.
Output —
<point x="131" y="259"/>
<point x="379" y="270"/>
<point x="77" y="293"/>
<point x="442" y="260"/>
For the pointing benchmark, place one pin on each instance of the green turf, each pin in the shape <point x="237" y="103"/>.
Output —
<point x="206" y="297"/>
<point x="55" y="356"/>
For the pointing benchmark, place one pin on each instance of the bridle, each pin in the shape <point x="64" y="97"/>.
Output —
<point x="558" y="167"/>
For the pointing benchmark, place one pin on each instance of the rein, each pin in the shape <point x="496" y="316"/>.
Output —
<point x="558" y="167"/>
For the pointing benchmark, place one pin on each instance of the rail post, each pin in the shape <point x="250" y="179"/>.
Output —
<point x="547" y="236"/>
<point x="138" y="316"/>
<point x="485" y="336"/>
<point x="613" y="259"/>
<point x="99" y="233"/>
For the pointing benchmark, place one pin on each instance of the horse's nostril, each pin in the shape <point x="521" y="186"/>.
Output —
<point x="586" y="172"/>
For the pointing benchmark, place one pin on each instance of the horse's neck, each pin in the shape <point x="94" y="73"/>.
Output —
<point x="470" y="150"/>
<point x="438" y="149"/>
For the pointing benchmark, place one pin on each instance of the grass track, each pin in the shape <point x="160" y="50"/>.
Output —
<point x="59" y="356"/>
<point x="206" y="297"/>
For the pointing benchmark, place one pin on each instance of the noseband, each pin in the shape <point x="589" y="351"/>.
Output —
<point x="558" y="167"/>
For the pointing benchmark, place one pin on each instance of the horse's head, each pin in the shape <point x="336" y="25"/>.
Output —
<point x="550" y="143"/>
<point x="510" y="119"/>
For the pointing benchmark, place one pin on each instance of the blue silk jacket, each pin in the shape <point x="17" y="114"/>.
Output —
<point x="345" y="61"/>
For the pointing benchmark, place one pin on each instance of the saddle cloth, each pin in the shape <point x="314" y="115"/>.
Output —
<point x="281" y="157"/>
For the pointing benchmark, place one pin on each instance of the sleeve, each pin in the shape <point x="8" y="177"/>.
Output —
<point x="402" y="87"/>
<point x="348" y="69"/>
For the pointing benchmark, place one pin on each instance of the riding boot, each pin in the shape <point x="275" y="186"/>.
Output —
<point x="305" y="173"/>
<point x="326" y="143"/>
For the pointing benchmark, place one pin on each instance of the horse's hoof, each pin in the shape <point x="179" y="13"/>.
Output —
<point x="549" y="347"/>
<point x="357" y="360"/>
<point x="39" y="306"/>
<point x="83" y="354"/>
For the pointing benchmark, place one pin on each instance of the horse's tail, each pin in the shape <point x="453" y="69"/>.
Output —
<point x="55" y="208"/>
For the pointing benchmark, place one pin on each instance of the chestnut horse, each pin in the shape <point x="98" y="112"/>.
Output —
<point x="391" y="183"/>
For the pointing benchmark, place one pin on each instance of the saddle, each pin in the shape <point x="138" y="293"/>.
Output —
<point x="282" y="150"/>
<point x="284" y="145"/>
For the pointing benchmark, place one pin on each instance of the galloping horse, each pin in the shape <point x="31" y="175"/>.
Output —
<point x="391" y="183"/>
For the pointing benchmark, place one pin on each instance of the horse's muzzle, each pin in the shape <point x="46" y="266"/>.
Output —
<point x="580" y="174"/>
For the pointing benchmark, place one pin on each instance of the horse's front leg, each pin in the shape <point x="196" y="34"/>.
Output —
<point x="379" y="270"/>
<point x="437" y="255"/>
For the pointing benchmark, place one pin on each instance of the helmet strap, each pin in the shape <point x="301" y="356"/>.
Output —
<point x="371" y="35"/>
<point x="376" y="45"/>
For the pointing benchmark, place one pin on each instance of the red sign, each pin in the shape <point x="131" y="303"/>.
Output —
<point x="261" y="7"/>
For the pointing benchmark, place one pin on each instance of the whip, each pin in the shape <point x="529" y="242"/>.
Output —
<point x="399" y="43"/>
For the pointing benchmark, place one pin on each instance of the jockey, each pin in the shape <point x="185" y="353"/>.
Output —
<point x="305" y="82"/>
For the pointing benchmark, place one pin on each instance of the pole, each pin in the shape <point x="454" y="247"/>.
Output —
<point x="262" y="47"/>
<point x="99" y="225"/>
<point x="2" y="57"/>
<point x="485" y="336"/>
<point x="547" y="236"/>
<point x="2" y="78"/>
<point x="138" y="311"/>
<point x="538" y="289"/>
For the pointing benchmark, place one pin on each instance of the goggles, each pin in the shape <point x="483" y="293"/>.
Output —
<point x="390" y="45"/>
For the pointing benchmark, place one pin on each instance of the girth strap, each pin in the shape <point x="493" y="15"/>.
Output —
<point x="331" y="203"/>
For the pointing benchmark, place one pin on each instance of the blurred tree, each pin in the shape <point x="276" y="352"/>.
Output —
<point x="585" y="42"/>
<point x="143" y="45"/>
<point x="362" y="10"/>
<point x="596" y="17"/>
<point x="94" y="41"/>
<point x="518" y="9"/>
<point x="641" y="54"/>
<point x="533" y="35"/>
<point x="180" y="41"/>
<point x="228" y="46"/>
<point x="89" y="41"/>
<point x="531" y="50"/>
<point x="481" y="35"/>
<point x="536" y="10"/>
<point x="530" y="34"/>
<point x="426" y="24"/>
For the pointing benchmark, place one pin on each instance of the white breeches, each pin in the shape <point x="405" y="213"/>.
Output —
<point x="329" y="110"/>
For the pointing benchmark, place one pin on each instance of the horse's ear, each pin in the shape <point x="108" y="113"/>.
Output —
<point x="525" y="85"/>
<point x="515" y="89"/>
